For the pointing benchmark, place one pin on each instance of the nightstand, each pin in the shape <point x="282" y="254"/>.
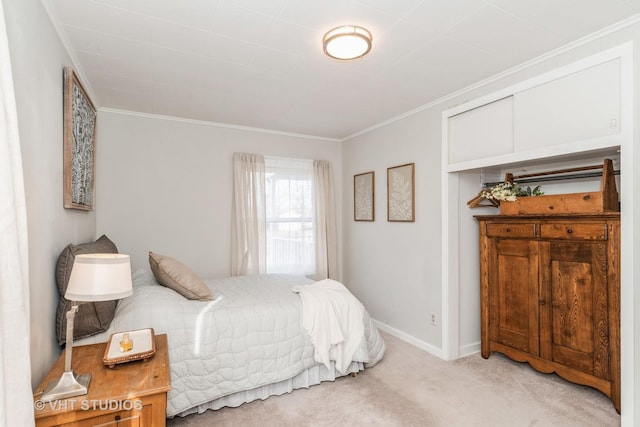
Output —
<point x="130" y="394"/>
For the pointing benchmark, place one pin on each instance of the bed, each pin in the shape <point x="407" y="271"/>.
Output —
<point x="246" y="343"/>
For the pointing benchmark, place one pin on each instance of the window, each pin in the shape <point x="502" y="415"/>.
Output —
<point x="289" y="206"/>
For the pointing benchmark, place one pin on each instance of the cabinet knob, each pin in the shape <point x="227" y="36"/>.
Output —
<point x="569" y="231"/>
<point x="508" y="230"/>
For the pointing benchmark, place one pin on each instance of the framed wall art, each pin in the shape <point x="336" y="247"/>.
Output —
<point x="79" y="136"/>
<point x="364" y="197"/>
<point x="401" y="193"/>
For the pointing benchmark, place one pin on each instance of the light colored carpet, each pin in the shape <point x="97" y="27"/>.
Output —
<point x="413" y="388"/>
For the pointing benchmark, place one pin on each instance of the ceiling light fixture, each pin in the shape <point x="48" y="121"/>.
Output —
<point x="347" y="42"/>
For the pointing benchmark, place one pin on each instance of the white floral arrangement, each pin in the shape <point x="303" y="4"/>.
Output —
<point x="509" y="192"/>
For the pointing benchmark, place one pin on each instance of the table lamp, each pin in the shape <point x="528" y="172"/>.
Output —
<point x="94" y="277"/>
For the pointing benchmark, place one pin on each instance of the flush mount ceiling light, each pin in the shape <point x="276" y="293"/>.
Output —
<point x="347" y="42"/>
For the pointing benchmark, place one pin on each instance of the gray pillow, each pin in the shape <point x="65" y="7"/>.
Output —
<point x="92" y="317"/>
<point x="175" y="275"/>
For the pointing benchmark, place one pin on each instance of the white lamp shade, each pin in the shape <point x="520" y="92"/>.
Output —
<point x="99" y="277"/>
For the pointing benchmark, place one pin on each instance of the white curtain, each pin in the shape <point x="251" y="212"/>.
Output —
<point x="248" y="235"/>
<point x="16" y="407"/>
<point x="325" y="234"/>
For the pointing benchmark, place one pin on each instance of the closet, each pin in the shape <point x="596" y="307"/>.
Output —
<point x="549" y="282"/>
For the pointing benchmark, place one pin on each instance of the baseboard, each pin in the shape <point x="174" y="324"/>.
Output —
<point x="469" y="349"/>
<point x="465" y="350"/>
<point x="410" y="339"/>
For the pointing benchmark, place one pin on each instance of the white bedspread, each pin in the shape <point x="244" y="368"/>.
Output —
<point x="251" y="335"/>
<point x="334" y="319"/>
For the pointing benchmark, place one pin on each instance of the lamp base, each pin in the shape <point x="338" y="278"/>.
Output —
<point x="68" y="385"/>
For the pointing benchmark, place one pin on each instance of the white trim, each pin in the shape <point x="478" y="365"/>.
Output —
<point x="215" y="124"/>
<point x="586" y="147"/>
<point x="449" y="332"/>
<point x="408" y="338"/>
<point x="469" y="349"/>
<point x="450" y="294"/>
<point x="449" y="242"/>
<point x="629" y="303"/>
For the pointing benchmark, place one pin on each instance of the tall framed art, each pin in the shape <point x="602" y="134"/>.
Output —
<point x="364" y="197"/>
<point x="79" y="136"/>
<point x="401" y="193"/>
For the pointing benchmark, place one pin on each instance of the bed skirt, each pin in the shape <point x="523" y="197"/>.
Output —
<point x="312" y="376"/>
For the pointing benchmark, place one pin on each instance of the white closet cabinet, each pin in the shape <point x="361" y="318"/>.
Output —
<point x="482" y="132"/>
<point x="580" y="106"/>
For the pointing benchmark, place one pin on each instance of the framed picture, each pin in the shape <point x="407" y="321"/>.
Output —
<point x="401" y="193"/>
<point x="79" y="145"/>
<point x="364" y="197"/>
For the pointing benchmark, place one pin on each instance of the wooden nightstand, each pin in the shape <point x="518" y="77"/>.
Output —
<point x="130" y="394"/>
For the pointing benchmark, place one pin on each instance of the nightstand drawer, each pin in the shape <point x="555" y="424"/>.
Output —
<point x="89" y="414"/>
<point x="119" y="419"/>
<point x="511" y="229"/>
<point x="574" y="230"/>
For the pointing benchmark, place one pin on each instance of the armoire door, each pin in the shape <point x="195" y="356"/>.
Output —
<point x="574" y="325"/>
<point x="513" y="294"/>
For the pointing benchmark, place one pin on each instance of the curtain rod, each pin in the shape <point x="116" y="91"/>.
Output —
<point x="551" y="178"/>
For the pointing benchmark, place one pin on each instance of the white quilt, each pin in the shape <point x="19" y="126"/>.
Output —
<point x="250" y="335"/>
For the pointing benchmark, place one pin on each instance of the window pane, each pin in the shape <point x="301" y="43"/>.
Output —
<point x="290" y="247"/>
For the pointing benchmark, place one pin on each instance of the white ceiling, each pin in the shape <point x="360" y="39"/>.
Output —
<point x="259" y="63"/>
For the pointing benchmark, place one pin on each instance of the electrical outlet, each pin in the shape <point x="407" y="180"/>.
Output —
<point x="433" y="319"/>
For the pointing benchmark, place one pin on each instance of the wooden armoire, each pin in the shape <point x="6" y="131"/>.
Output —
<point x="550" y="294"/>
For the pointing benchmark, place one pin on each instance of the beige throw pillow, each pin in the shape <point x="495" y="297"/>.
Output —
<point x="175" y="275"/>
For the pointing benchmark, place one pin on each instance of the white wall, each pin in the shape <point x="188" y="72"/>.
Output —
<point x="394" y="267"/>
<point x="37" y="59"/>
<point x="165" y="185"/>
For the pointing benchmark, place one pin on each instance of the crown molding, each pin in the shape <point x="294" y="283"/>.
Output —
<point x="216" y="124"/>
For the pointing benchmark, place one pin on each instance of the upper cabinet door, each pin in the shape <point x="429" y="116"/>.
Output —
<point x="578" y="107"/>
<point x="486" y="131"/>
